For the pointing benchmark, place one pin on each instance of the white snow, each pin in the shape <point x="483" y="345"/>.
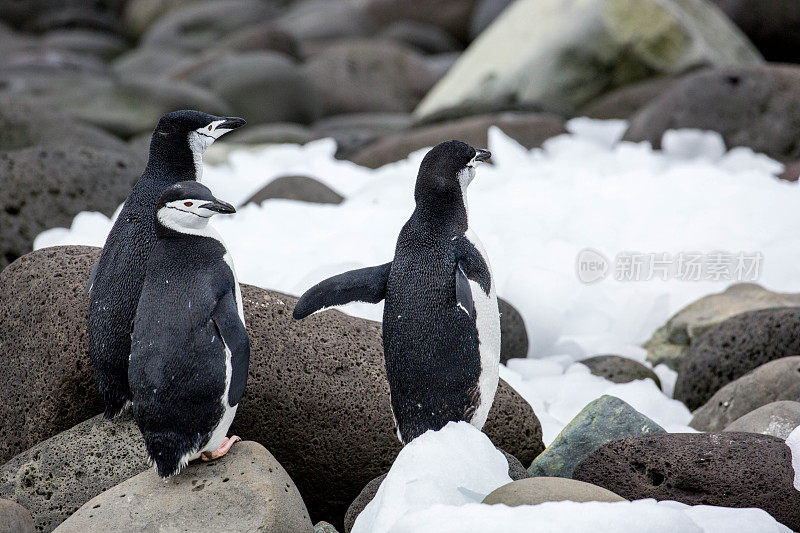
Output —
<point x="438" y="481"/>
<point x="793" y="442"/>
<point x="535" y="211"/>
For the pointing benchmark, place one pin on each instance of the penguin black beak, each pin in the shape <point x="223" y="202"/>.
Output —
<point x="232" y="123"/>
<point x="220" y="207"/>
<point x="482" y="155"/>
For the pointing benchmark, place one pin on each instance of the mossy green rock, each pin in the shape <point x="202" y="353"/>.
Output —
<point x="606" y="419"/>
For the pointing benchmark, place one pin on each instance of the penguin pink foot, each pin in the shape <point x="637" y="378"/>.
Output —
<point x="227" y="442"/>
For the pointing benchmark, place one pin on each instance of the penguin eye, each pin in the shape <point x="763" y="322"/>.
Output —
<point x="187" y="204"/>
<point x="209" y="127"/>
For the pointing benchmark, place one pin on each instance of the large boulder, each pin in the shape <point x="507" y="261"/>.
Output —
<point x="619" y="369"/>
<point x="561" y="55"/>
<point x="722" y="469"/>
<point x="58" y="475"/>
<point x="450" y="15"/>
<point x="772" y="25"/>
<point x="298" y="188"/>
<point x="528" y="129"/>
<point x="46" y="186"/>
<point x="606" y="419"/>
<point x="247" y="490"/>
<point x="669" y="343"/>
<point x="14" y="518"/>
<point x="624" y="102"/>
<point x="368" y="76"/>
<point x="536" y="490"/>
<point x="734" y="348"/>
<point x="513" y="335"/>
<point x="778" y="419"/>
<point x="773" y="381"/>
<point x="317" y="394"/>
<point x="752" y="106"/>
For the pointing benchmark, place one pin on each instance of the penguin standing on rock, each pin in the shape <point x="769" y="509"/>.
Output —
<point x="189" y="351"/>
<point x="176" y="154"/>
<point x="441" y="325"/>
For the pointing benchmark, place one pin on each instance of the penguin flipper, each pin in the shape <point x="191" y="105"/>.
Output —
<point x="362" y="285"/>
<point x="464" y="292"/>
<point x="92" y="276"/>
<point x="234" y="335"/>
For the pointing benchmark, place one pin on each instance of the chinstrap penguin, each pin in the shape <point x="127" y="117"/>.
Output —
<point x="176" y="151"/>
<point x="189" y="351"/>
<point x="441" y="325"/>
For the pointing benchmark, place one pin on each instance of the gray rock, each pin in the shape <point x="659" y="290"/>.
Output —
<point x="425" y="38"/>
<point x="58" y="475"/>
<point x="199" y="25"/>
<point x="513" y="335"/>
<point x="748" y="105"/>
<point x="733" y="348"/>
<point x="46" y="187"/>
<point x="529" y="129"/>
<point x="536" y="490"/>
<point x="262" y="86"/>
<point x="14" y="518"/>
<point x="273" y="133"/>
<point x="440" y="64"/>
<point x="139" y="15"/>
<point x="245" y="490"/>
<point x="515" y="471"/>
<point x="303" y="374"/>
<point x="773" y="381"/>
<point x="485" y="12"/>
<point x="606" y="419"/>
<point x="316" y="20"/>
<point x="599" y="46"/>
<point x="149" y="61"/>
<point x="89" y="15"/>
<point x="450" y="15"/>
<point x="777" y="419"/>
<point x="721" y="469"/>
<point x="624" y="102"/>
<point x="299" y="188"/>
<point x="669" y="343"/>
<point x="354" y="131"/>
<point x="791" y="172"/>
<point x="619" y="369"/>
<point x="368" y="76"/>
<point x="770" y="24"/>
<point x="324" y="527"/>
<point x="262" y="36"/>
<point x="98" y="44"/>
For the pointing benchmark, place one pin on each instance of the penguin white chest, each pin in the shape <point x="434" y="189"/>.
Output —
<point x="487" y="322"/>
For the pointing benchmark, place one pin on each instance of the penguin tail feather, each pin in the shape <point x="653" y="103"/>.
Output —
<point x="169" y="451"/>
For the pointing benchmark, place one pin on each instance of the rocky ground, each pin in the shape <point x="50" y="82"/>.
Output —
<point x="81" y="85"/>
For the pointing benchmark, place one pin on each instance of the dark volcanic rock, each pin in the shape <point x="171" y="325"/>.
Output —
<point x="14" y="518"/>
<point x="450" y="15"/>
<point x="300" y="188"/>
<point x="513" y="336"/>
<point x="626" y="101"/>
<point x="48" y="381"/>
<point x="734" y="348"/>
<point x="772" y="25"/>
<point x="757" y="107"/>
<point x="773" y="381"/>
<point x="46" y="187"/>
<point x="619" y="369"/>
<point x="57" y="476"/>
<point x="723" y="469"/>
<point x="308" y="380"/>
<point x="528" y="129"/>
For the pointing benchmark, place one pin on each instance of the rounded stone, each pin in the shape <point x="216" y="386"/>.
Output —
<point x="735" y="347"/>
<point x="58" y="475"/>
<point x="776" y="380"/>
<point x="45" y="187"/>
<point x="721" y="469"/>
<point x="619" y="369"/>
<point x="536" y="490"/>
<point x="246" y="490"/>
<point x="528" y="129"/>
<point x="624" y="102"/>
<point x="425" y="38"/>
<point x="98" y="44"/>
<point x="299" y="188"/>
<point x="353" y="131"/>
<point x="751" y="106"/>
<point x="778" y="419"/>
<point x="450" y="15"/>
<point x="14" y="518"/>
<point x="513" y="335"/>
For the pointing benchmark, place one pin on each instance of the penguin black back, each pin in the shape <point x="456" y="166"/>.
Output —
<point x="114" y="286"/>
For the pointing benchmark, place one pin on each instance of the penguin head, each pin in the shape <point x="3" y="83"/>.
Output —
<point x="187" y="206"/>
<point x="181" y="137"/>
<point x="447" y="169"/>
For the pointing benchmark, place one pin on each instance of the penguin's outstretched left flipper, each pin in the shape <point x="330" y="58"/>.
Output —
<point x="362" y="285"/>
